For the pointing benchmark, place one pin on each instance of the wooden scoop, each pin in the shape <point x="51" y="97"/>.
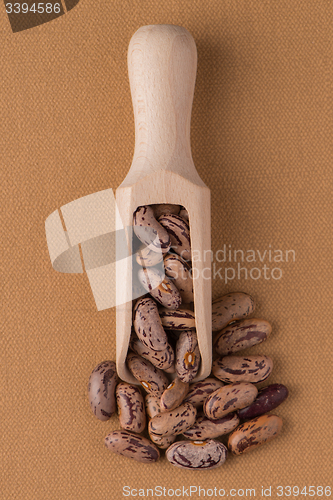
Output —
<point x="162" y="63"/>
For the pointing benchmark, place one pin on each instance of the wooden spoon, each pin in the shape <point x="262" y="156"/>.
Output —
<point x="162" y="63"/>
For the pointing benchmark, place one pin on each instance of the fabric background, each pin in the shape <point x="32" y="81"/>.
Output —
<point x="261" y="141"/>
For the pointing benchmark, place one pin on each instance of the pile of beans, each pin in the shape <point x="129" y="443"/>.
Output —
<point x="164" y="357"/>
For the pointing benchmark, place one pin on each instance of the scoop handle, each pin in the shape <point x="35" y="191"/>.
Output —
<point x="162" y="63"/>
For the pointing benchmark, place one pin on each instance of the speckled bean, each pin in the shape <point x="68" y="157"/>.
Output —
<point x="252" y="369"/>
<point x="179" y="231"/>
<point x="181" y="319"/>
<point x="241" y="335"/>
<point x="133" y="446"/>
<point x="268" y="398"/>
<point x="180" y="272"/>
<point x="131" y="408"/>
<point x="231" y="307"/>
<point x="187" y="356"/>
<point x="228" y="399"/>
<point x="101" y="390"/>
<point x="152" y="405"/>
<point x="184" y="214"/>
<point x="165" y="209"/>
<point x="151" y="378"/>
<point x="148" y="326"/>
<point x="204" y="428"/>
<point x="149" y="230"/>
<point x="254" y="433"/>
<point x="161" y="359"/>
<point x="162" y="289"/>
<point x="173" y="395"/>
<point x="197" y="455"/>
<point x="173" y="422"/>
<point x="162" y="442"/>
<point x="199" y="391"/>
<point x="147" y="257"/>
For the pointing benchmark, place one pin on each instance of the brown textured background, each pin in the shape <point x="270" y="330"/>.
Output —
<point x="262" y="142"/>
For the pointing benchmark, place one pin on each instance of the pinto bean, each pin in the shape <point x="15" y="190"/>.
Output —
<point x="254" y="433"/>
<point x="231" y="307"/>
<point x="132" y="445"/>
<point x="101" y="390"/>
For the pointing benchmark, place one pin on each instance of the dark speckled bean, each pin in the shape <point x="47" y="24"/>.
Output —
<point x="147" y="324"/>
<point x="252" y="369"/>
<point x="187" y="356"/>
<point x="268" y="398"/>
<point x="173" y="395"/>
<point x="204" y="428"/>
<point x="228" y="399"/>
<point x="179" y="231"/>
<point x="133" y="446"/>
<point x="151" y="378"/>
<point x="161" y="359"/>
<point x="180" y="319"/>
<point x="173" y="422"/>
<point x="149" y="231"/>
<point x="162" y="289"/>
<point x="199" y="391"/>
<point x="197" y="455"/>
<point x="231" y="307"/>
<point x="254" y="433"/>
<point x="131" y="408"/>
<point x="241" y="335"/>
<point x="101" y="390"/>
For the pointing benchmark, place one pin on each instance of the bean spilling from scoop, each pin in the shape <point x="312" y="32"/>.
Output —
<point x="173" y="411"/>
